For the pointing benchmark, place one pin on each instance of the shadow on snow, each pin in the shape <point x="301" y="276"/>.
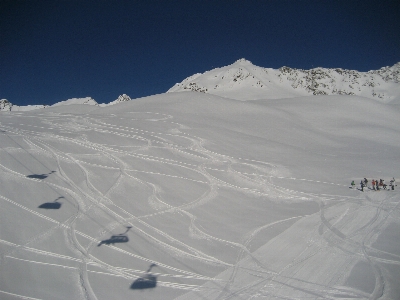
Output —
<point x="149" y="281"/>
<point x="40" y="176"/>
<point x="114" y="239"/>
<point x="51" y="205"/>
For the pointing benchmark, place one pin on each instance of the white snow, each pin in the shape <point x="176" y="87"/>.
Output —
<point x="205" y="197"/>
<point x="121" y="98"/>
<point x="27" y="107"/>
<point x="202" y="195"/>
<point x="244" y="81"/>
<point x="85" y="100"/>
<point x="5" y="105"/>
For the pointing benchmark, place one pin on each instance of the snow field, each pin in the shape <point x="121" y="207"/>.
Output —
<point x="229" y="199"/>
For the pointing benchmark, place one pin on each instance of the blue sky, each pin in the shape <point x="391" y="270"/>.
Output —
<point x="55" y="50"/>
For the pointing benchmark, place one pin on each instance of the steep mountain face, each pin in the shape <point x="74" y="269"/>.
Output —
<point x="245" y="81"/>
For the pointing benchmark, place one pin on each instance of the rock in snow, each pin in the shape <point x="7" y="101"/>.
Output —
<point x="5" y="105"/>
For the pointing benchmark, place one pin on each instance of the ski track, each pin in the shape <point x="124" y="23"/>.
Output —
<point x="88" y="197"/>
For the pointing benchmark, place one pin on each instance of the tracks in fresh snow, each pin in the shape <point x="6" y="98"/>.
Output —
<point x="80" y="146"/>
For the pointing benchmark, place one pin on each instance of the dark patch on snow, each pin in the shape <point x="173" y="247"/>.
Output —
<point x="149" y="281"/>
<point x="40" y="176"/>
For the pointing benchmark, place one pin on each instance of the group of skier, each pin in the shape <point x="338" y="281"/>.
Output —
<point x="376" y="185"/>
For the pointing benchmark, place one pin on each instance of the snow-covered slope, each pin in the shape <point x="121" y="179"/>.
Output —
<point x="27" y="107"/>
<point x="121" y="98"/>
<point x="193" y="196"/>
<point x="245" y="81"/>
<point x="86" y="100"/>
<point x="5" y="105"/>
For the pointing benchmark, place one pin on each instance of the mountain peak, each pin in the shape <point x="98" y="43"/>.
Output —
<point x="121" y="98"/>
<point x="243" y="61"/>
<point x="244" y="81"/>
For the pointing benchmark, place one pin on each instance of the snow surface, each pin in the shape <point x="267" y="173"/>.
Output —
<point x="203" y="197"/>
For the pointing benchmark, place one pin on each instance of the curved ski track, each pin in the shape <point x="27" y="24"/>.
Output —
<point x="336" y="231"/>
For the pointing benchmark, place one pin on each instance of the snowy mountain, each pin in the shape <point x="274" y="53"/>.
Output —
<point x="245" y="81"/>
<point x="5" y="105"/>
<point x="86" y="101"/>
<point x="121" y="98"/>
<point x="195" y="196"/>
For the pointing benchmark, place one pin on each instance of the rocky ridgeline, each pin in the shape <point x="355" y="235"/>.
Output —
<point x="382" y="84"/>
<point x="321" y="81"/>
<point x="389" y="73"/>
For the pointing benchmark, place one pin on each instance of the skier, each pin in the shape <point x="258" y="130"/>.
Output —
<point x="352" y="184"/>
<point x="382" y="184"/>
<point x="373" y="184"/>
<point x="365" y="182"/>
<point x="392" y="181"/>
<point x="377" y="185"/>
<point x="362" y="186"/>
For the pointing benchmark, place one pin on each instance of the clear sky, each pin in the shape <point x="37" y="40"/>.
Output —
<point x="51" y="51"/>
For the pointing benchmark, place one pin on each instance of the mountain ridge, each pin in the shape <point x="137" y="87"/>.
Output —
<point x="244" y="81"/>
<point x="6" y="105"/>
